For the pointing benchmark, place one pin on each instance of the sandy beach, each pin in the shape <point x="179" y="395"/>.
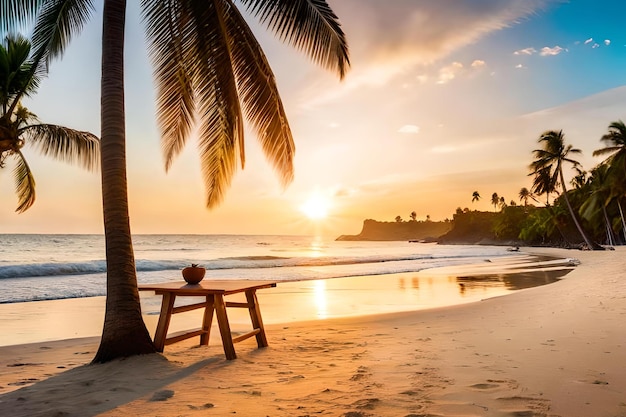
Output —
<point x="553" y="350"/>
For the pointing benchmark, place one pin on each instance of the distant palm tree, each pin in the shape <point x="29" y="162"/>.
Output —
<point x="524" y="195"/>
<point x="475" y="196"/>
<point x="495" y="200"/>
<point x="20" y="75"/>
<point x="398" y="219"/>
<point x="413" y="216"/>
<point x="551" y="158"/>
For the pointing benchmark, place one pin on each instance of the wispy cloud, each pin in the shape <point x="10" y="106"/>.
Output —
<point x="449" y="72"/>
<point x="607" y="42"/>
<point x="525" y="51"/>
<point x="478" y="63"/>
<point x="410" y="129"/>
<point x="389" y="41"/>
<point x="547" y="51"/>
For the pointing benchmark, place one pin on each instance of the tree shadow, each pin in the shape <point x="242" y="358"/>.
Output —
<point x="92" y="389"/>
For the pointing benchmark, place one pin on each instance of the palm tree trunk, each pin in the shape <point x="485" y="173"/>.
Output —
<point x="621" y="213"/>
<point x="609" y="229"/>
<point x="124" y="332"/>
<point x="588" y="242"/>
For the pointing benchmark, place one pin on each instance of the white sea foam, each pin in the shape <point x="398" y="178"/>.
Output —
<point x="38" y="267"/>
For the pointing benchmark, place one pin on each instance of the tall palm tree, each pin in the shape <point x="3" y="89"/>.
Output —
<point x="551" y="158"/>
<point x="19" y="77"/>
<point x="207" y="64"/>
<point x="475" y="196"/>
<point x="615" y="150"/>
<point x="600" y="195"/>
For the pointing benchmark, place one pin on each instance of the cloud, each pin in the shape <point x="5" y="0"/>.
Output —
<point x="525" y="51"/>
<point x="449" y="72"/>
<point x="547" y="51"/>
<point x="607" y="42"/>
<point x="478" y="63"/>
<point x="386" y="42"/>
<point x="588" y="41"/>
<point x="412" y="129"/>
<point x="519" y="66"/>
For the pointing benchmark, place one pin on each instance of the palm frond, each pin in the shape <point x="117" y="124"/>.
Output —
<point x="15" y="14"/>
<point x="606" y="151"/>
<point x="165" y="27"/>
<point x="24" y="183"/>
<point x="259" y="94"/>
<point x="65" y="144"/>
<point x="221" y="140"/>
<point x="309" y="25"/>
<point x="15" y="70"/>
<point x="198" y="80"/>
<point x="57" y="22"/>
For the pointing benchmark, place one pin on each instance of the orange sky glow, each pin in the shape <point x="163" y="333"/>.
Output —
<point x="443" y="99"/>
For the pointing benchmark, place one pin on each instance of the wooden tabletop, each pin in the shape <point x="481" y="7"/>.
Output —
<point x="207" y="286"/>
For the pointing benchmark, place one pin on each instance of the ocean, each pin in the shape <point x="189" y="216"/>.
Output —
<point x="50" y="267"/>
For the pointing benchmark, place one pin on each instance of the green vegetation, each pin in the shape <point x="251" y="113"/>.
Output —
<point x="21" y="71"/>
<point x="587" y="215"/>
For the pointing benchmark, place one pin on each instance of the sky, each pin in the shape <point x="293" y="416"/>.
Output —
<point x="442" y="99"/>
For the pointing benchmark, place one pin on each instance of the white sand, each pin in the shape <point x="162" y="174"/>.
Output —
<point x="555" y="350"/>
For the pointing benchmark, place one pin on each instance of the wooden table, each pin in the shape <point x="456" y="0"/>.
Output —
<point x="214" y="293"/>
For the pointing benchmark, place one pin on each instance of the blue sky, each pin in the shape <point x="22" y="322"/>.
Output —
<point x="444" y="98"/>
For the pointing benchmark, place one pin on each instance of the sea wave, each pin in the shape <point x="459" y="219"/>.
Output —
<point x="52" y="269"/>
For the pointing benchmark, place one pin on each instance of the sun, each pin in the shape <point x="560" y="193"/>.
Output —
<point x="316" y="207"/>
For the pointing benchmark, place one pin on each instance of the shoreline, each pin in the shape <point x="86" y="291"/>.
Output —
<point x="295" y="301"/>
<point x="553" y="350"/>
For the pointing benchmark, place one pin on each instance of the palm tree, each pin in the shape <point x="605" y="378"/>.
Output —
<point x="551" y="158"/>
<point x="600" y="196"/>
<point x="207" y="63"/>
<point x="413" y="216"/>
<point x="615" y="140"/>
<point x="495" y="200"/>
<point x="544" y="183"/>
<point x="19" y="77"/>
<point x="475" y="196"/>
<point x="616" y="146"/>
<point x="524" y="195"/>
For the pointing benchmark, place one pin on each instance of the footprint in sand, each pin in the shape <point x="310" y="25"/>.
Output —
<point x="163" y="395"/>
<point x="201" y="407"/>
<point x="484" y="386"/>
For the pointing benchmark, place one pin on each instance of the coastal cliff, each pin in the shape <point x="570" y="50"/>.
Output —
<point x="411" y="230"/>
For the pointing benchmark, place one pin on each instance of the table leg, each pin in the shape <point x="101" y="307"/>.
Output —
<point x="255" y="316"/>
<point x="207" y="320"/>
<point x="167" y="305"/>
<point x="222" y="321"/>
